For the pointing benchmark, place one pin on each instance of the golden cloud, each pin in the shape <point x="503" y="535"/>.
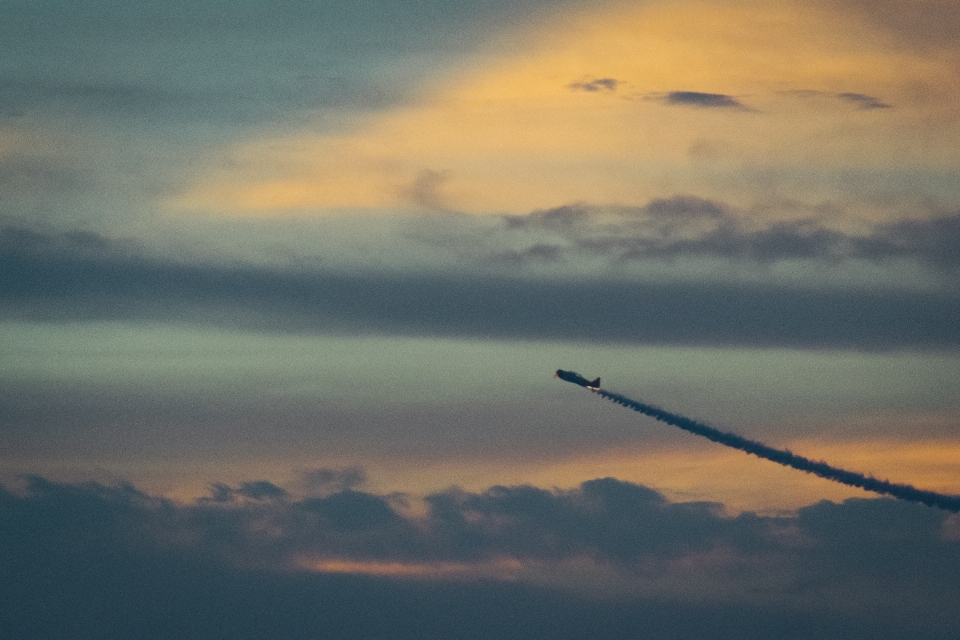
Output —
<point x="619" y="106"/>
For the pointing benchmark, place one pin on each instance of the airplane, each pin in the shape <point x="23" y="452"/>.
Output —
<point x="576" y="378"/>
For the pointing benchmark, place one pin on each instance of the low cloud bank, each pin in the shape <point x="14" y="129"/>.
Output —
<point x="81" y="555"/>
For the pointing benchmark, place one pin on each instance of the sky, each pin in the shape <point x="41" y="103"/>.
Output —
<point x="284" y="286"/>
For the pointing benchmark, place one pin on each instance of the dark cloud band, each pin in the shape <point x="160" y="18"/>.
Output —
<point x="92" y="282"/>
<point x="69" y="288"/>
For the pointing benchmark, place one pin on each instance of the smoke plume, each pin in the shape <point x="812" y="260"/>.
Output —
<point x="788" y="459"/>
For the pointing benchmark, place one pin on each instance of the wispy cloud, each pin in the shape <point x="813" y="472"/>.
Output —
<point x="699" y="99"/>
<point x="862" y="101"/>
<point x="595" y="85"/>
<point x="691" y="226"/>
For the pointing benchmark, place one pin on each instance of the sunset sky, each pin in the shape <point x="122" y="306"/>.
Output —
<point x="284" y="286"/>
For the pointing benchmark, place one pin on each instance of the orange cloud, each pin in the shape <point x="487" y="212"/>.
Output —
<point x="516" y="133"/>
<point x="706" y="472"/>
<point x="689" y="471"/>
<point x="705" y="574"/>
<point x="499" y="568"/>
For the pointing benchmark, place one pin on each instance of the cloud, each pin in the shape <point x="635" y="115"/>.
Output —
<point x="260" y="490"/>
<point x="163" y="63"/>
<point x="333" y="480"/>
<point x="616" y="521"/>
<point x="77" y="243"/>
<point x="686" y="208"/>
<point x="608" y="519"/>
<point x="606" y="553"/>
<point x="21" y="97"/>
<point x="862" y="101"/>
<point x="934" y="240"/>
<point x="519" y="129"/>
<point x="595" y="85"/>
<point x="699" y="99"/>
<point x="427" y="190"/>
<point x="66" y="277"/>
<point x="688" y="226"/>
<point x="23" y="174"/>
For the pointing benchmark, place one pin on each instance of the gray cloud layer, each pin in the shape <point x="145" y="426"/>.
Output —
<point x="84" y="275"/>
<point x="175" y="62"/>
<point x="687" y="226"/>
<point x="98" y="560"/>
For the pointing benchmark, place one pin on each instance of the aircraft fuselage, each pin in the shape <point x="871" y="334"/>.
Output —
<point x="576" y="378"/>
